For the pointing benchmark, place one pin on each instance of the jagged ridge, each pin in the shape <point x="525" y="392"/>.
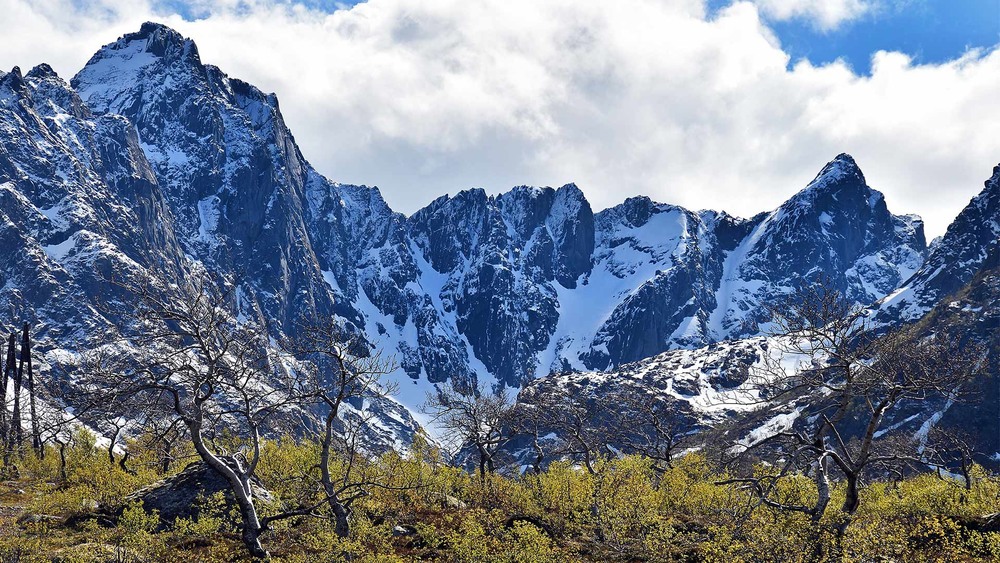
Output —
<point x="154" y="161"/>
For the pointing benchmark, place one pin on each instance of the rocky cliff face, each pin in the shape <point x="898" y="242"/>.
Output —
<point x="716" y="281"/>
<point x="953" y="262"/>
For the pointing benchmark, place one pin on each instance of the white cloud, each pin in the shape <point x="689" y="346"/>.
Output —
<point x="627" y="97"/>
<point x="823" y="14"/>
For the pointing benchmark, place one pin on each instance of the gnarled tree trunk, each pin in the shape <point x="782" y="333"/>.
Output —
<point x="239" y="484"/>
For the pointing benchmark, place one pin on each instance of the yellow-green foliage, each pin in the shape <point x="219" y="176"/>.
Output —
<point x="628" y="509"/>
<point x="91" y="478"/>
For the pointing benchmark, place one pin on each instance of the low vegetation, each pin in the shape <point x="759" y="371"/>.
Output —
<point x="627" y="509"/>
<point x="182" y="382"/>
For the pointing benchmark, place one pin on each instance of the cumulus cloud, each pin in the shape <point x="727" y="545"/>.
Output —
<point x="825" y="15"/>
<point x="651" y="97"/>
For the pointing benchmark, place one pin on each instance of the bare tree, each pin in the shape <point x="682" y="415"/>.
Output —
<point x="5" y="429"/>
<point x="165" y="436"/>
<point x="478" y="418"/>
<point x="179" y="348"/>
<point x="652" y="427"/>
<point x="55" y="425"/>
<point x="531" y="424"/>
<point x="581" y="425"/>
<point x="36" y="438"/>
<point x="950" y="450"/>
<point x="340" y="369"/>
<point x="849" y="380"/>
<point x="17" y="425"/>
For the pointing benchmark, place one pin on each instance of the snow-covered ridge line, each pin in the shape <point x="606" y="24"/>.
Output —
<point x="171" y="164"/>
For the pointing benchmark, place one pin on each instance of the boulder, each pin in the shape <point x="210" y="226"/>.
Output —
<point x="183" y="494"/>
<point x="403" y="530"/>
<point x="40" y="519"/>
<point x="449" y="502"/>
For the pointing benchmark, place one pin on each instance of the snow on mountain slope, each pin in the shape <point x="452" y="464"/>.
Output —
<point x="716" y="279"/>
<point x="155" y="162"/>
<point x="80" y="203"/>
<point x="710" y="382"/>
<point x="658" y="265"/>
<point x="952" y="261"/>
<point x="838" y="230"/>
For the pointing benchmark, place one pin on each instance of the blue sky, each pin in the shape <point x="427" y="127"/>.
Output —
<point x="930" y="31"/>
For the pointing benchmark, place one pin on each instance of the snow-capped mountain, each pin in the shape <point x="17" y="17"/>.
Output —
<point x="150" y="161"/>
<point x="712" y="397"/>
<point x="953" y="261"/>
<point x="717" y="279"/>
<point x="532" y="281"/>
<point x="85" y="196"/>
<point x="226" y="164"/>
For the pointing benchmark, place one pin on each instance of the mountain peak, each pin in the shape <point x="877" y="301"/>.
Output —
<point x="845" y="158"/>
<point x="149" y="27"/>
<point x="161" y="40"/>
<point x="140" y="63"/>
<point x="841" y="167"/>
<point x="13" y="81"/>
<point x="840" y="183"/>
<point x="152" y="41"/>
<point x="42" y="71"/>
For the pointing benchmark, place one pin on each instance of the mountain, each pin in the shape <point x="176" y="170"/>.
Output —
<point x="150" y="162"/>
<point x="713" y="399"/>
<point x="201" y="174"/>
<point x="227" y="166"/>
<point x="532" y="281"/>
<point x="716" y="280"/>
<point x="973" y="314"/>
<point x="953" y="262"/>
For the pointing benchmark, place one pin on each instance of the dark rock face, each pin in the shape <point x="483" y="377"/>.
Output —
<point x="503" y="257"/>
<point x="952" y="263"/>
<point x="183" y="495"/>
<point x="972" y="314"/>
